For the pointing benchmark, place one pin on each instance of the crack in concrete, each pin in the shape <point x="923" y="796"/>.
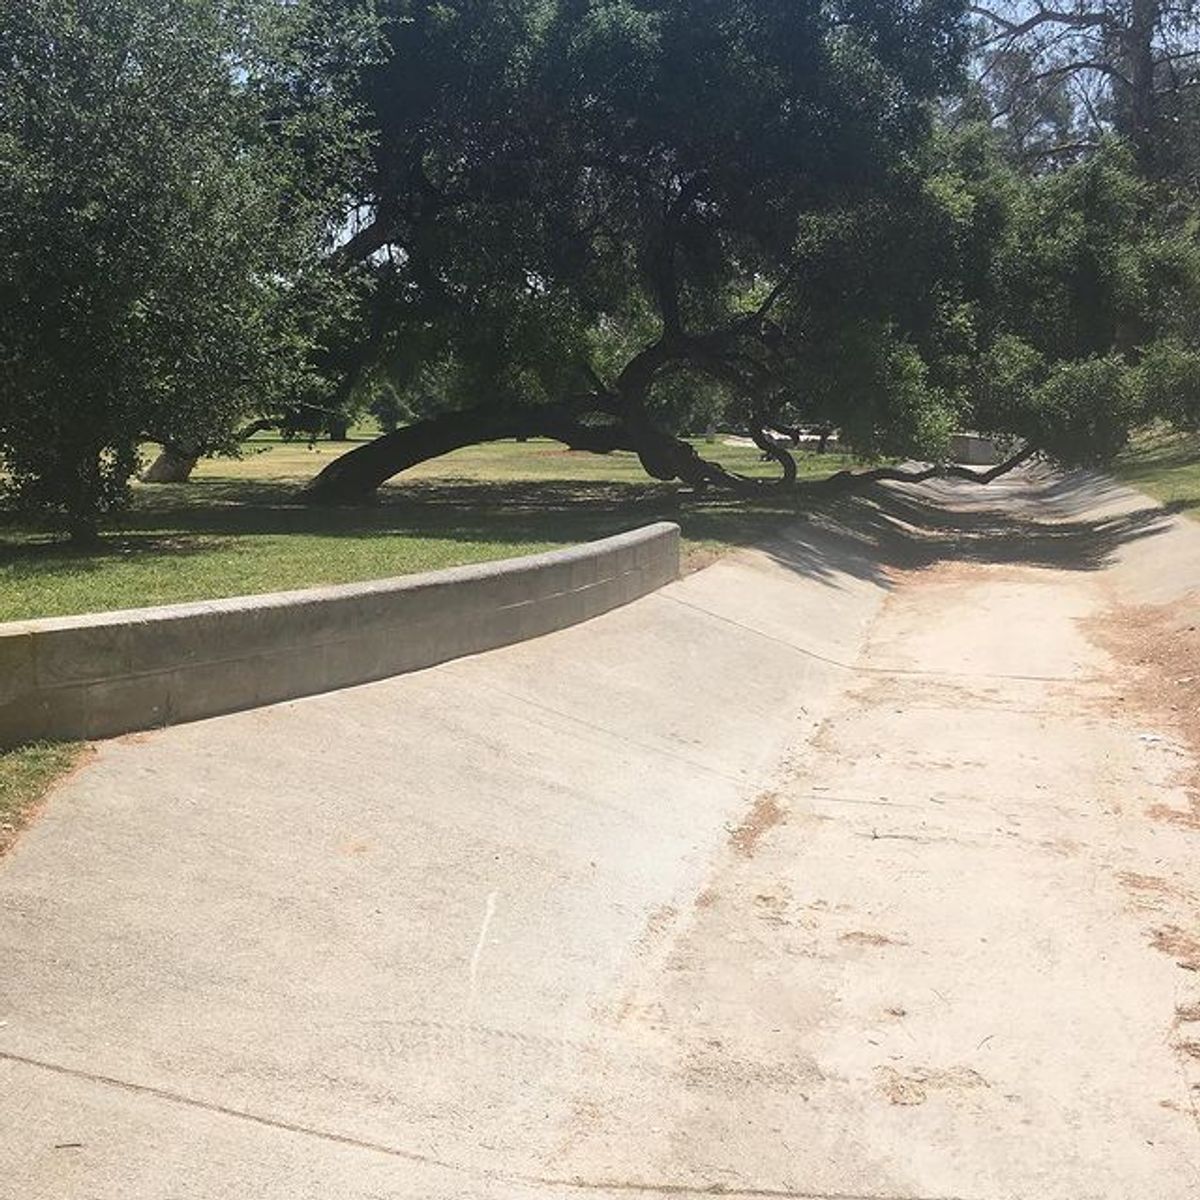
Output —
<point x="860" y="669"/>
<point x="629" y="1187"/>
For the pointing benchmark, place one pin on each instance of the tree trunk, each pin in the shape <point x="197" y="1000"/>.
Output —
<point x="354" y="477"/>
<point x="174" y="464"/>
<point x="1137" y="122"/>
<point x="82" y="495"/>
<point x="83" y="529"/>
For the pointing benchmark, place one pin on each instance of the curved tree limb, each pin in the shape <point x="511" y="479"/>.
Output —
<point x="1041" y="16"/>
<point x="354" y="477"/>
<point x="938" y="471"/>
<point x="778" y="453"/>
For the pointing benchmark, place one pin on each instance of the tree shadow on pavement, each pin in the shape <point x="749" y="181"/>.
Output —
<point x="1038" y="520"/>
<point x="1034" y="518"/>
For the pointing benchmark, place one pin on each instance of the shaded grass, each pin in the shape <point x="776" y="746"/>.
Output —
<point x="1166" y="465"/>
<point x="237" y="528"/>
<point x="26" y="773"/>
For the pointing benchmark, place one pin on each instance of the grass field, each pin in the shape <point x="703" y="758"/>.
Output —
<point x="236" y="528"/>
<point x="26" y="772"/>
<point x="1165" y="465"/>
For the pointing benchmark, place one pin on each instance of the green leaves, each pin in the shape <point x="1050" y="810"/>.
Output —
<point x="670" y="209"/>
<point x="1168" y="382"/>
<point x="170" y="176"/>
<point x="562" y="182"/>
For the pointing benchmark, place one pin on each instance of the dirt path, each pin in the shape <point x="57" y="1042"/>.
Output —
<point x="959" y="957"/>
<point x="860" y="869"/>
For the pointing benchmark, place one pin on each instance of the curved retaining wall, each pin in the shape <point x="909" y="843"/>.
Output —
<point x="108" y="673"/>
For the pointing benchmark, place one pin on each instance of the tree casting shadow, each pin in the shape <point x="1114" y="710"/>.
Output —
<point x="1033" y="518"/>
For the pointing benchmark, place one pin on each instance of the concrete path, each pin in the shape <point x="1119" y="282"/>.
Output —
<point x="858" y="867"/>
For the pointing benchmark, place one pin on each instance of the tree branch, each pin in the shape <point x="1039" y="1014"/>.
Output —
<point x="845" y="479"/>
<point x="773" y="450"/>
<point x="1072" y="68"/>
<point x="1062" y="148"/>
<point x="354" y="476"/>
<point x="663" y="276"/>
<point x="367" y="241"/>
<point x="1043" y="16"/>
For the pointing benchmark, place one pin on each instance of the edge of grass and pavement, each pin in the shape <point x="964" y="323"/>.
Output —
<point x="1164" y="464"/>
<point x="27" y="774"/>
<point x="237" y="529"/>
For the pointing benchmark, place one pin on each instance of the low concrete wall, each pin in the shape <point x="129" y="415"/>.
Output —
<point x="108" y="673"/>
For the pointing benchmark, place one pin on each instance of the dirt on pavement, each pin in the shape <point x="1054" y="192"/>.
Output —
<point x="1156" y="652"/>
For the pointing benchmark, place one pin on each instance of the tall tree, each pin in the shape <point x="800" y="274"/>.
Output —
<point x="171" y="175"/>
<point x="1061" y="76"/>
<point x="1084" y="299"/>
<point x="577" y="204"/>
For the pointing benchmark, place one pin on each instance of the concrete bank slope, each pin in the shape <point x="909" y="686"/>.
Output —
<point x="102" y="674"/>
<point x="844" y="870"/>
<point x="1080" y="521"/>
<point x="398" y="915"/>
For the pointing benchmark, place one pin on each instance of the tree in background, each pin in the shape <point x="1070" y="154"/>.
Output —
<point x="171" y="176"/>
<point x="1080" y="296"/>
<point x="599" y="221"/>
<point x="591" y="222"/>
<point x="1096" y="103"/>
<point x="574" y="206"/>
<point x="1059" y="77"/>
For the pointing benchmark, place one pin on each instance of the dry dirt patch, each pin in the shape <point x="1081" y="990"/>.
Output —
<point x="913" y="1087"/>
<point x="1157" y="648"/>
<point x="1179" y="944"/>
<point x="862" y="937"/>
<point x="764" y="815"/>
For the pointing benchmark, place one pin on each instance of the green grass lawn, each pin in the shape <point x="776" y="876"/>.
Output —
<point x="236" y="528"/>
<point x="1165" y="465"/>
<point x="26" y="772"/>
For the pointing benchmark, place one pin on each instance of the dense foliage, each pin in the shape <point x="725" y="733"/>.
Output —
<point x="169" y="173"/>
<point x="606" y="221"/>
<point x="651" y="217"/>
<point x="1074" y="298"/>
<point x="596" y="208"/>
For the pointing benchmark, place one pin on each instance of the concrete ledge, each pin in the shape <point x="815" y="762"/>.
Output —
<point x="108" y="673"/>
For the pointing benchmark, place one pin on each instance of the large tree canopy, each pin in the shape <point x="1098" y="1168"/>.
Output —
<point x="590" y="220"/>
<point x="603" y="221"/>
<point x="170" y="175"/>
<point x="575" y="206"/>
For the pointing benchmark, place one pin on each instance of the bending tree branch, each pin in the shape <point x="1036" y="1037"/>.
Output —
<point x="845" y="479"/>
<point x="355" y="476"/>
<point x="1042" y="16"/>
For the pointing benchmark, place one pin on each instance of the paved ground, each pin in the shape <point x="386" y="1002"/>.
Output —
<point x="859" y="867"/>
